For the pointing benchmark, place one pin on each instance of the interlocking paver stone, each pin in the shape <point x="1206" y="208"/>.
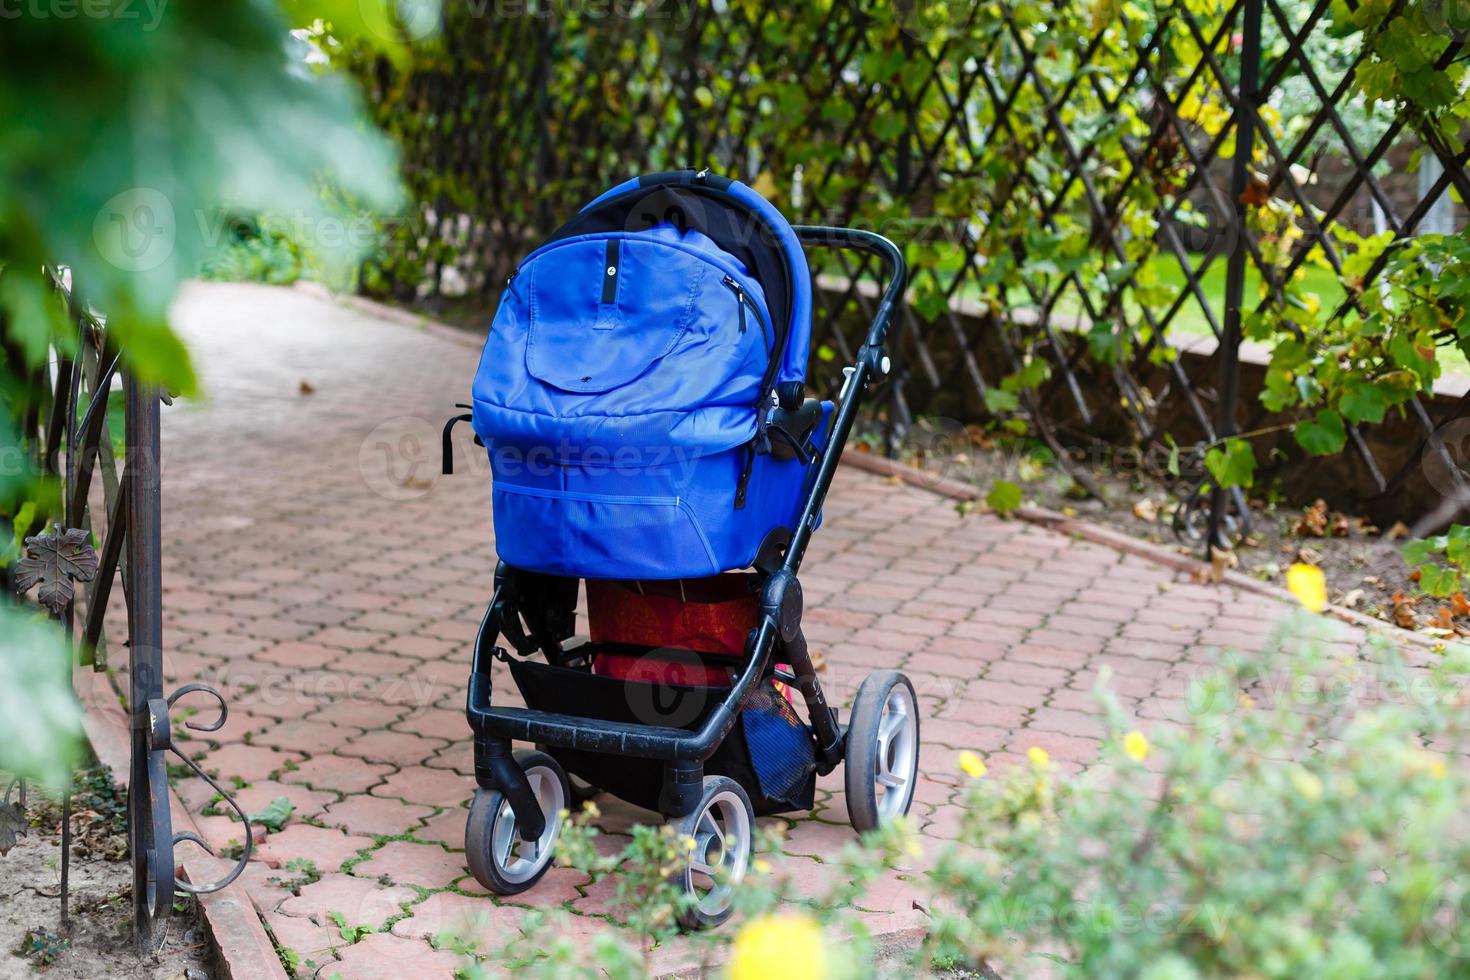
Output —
<point x="325" y="847"/>
<point x="333" y="592"/>
<point x="360" y="901"/>
<point x="375" y="815"/>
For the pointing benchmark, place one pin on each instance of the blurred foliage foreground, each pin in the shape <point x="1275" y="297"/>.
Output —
<point x="131" y="135"/>
<point x="1300" y="813"/>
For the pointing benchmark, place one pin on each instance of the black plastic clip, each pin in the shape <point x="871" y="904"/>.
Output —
<point x="448" y="465"/>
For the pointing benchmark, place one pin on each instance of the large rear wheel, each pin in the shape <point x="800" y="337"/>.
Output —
<point x="882" y="751"/>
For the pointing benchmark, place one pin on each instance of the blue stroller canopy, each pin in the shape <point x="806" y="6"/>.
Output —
<point x="630" y="376"/>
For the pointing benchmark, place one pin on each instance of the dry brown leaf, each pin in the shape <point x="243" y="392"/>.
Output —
<point x="1340" y="526"/>
<point x="1403" y="610"/>
<point x="1398" y="530"/>
<point x="1443" y="618"/>
<point x="307" y="388"/>
<point x="1459" y="605"/>
<point x="1351" y="599"/>
<point x="819" y="661"/>
<point x="1313" y="522"/>
<point x="1221" y="561"/>
<point x="1146" y="510"/>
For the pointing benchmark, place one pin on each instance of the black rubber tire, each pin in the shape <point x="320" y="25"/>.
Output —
<point x="860" y="766"/>
<point x="485" y="812"/>
<point x="693" y="918"/>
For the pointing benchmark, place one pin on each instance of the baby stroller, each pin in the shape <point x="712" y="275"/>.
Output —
<point x="642" y="399"/>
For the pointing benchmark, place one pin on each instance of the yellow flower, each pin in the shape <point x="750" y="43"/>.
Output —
<point x="1038" y="757"/>
<point x="761" y="866"/>
<point x="1309" y="585"/>
<point x="972" y="764"/>
<point x="774" y="947"/>
<point x="1136" y="745"/>
<point x="1307" y="784"/>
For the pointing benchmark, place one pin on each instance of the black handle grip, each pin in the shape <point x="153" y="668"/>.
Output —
<point x="874" y="244"/>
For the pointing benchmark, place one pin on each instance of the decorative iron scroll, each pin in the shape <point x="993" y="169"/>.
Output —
<point x="67" y="571"/>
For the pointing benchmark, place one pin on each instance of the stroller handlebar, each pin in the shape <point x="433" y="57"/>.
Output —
<point x="874" y="244"/>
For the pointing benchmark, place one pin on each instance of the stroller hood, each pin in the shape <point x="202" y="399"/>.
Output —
<point x="661" y="317"/>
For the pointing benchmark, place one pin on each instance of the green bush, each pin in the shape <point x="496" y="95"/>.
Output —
<point x="1304" y="818"/>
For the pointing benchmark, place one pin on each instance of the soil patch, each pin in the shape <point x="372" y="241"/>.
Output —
<point x="99" y="940"/>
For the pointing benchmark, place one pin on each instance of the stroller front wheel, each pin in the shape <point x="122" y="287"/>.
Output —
<point x="719" y="835"/>
<point x="882" y="751"/>
<point x="497" y="856"/>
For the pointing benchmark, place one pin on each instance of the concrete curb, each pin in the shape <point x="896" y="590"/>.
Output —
<point x="1118" y="541"/>
<point x="241" y="945"/>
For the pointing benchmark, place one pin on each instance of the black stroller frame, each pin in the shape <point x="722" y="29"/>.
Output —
<point x="545" y="604"/>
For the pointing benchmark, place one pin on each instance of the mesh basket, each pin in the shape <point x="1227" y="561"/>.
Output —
<point x="770" y="752"/>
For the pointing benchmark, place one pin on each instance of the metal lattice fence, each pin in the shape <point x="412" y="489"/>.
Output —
<point x="1144" y="224"/>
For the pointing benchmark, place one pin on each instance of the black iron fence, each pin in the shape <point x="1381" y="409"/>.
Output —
<point x="1156" y="224"/>
<point x="97" y="433"/>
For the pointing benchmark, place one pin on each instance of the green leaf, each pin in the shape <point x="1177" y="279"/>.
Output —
<point x="998" y="401"/>
<point x="40" y="720"/>
<point x="1438" y="580"/>
<point x="1419" y="551"/>
<point x="1233" y="465"/>
<point x="1324" y="435"/>
<point x="1004" y="497"/>
<point x="275" y="815"/>
<point x="1364" y="402"/>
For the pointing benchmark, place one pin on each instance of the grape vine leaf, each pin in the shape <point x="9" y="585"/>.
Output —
<point x="55" y="560"/>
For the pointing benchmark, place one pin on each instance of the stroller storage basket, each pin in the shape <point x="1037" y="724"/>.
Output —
<point x="771" y="750"/>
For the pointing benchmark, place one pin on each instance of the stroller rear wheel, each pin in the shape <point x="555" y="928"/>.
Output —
<point x="497" y="856"/>
<point x="722" y="828"/>
<point x="882" y="750"/>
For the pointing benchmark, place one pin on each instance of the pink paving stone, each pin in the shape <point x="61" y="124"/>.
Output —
<point x="459" y="757"/>
<point x="313" y="945"/>
<point x="261" y="794"/>
<point x="222" y="831"/>
<point x="327" y="848"/>
<point x="558" y="887"/>
<point x="408" y="863"/>
<point x="375" y="815"/>
<point x="448" y="828"/>
<point x="473" y="920"/>
<point x="435" y="723"/>
<point x="294" y="653"/>
<point x="301" y="735"/>
<point x="249" y="762"/>
<point x="432" y="787"/>
<point x="360" y="901"/>
<point x="383" y="956"/>
<point x="365" y="715"/>
<point x="396" y="748"/>
<point x="338" y="773"/>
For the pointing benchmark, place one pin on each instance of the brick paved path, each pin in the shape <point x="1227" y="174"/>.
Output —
<point x="318" y="569"/>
